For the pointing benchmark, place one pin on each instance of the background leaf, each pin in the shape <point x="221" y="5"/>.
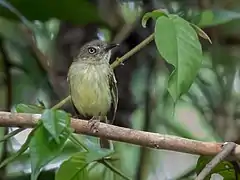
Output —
<point x="69" y="10"/>
<point x="215" y="17"/>
<point x="6" y="5"/>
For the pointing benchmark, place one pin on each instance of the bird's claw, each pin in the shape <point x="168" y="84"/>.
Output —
<point x="94" y="123"/>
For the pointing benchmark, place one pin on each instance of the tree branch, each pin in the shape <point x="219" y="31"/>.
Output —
<point x="226" y="151"/>
<point x="147" y="139"/>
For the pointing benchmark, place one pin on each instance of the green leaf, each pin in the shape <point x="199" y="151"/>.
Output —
<point x="74" y="168"/>
<point x="178" y="44"/>
<point x="201" y="32"/>
<point x="75" y="11"/>
<point x="77" y="142"/>
<point x="98" y="154"/>
<point x="115" y="170"/>
<point x="43" y="149"/>
<point x="154" y="14"/>
<point x="209" y="18"/>
<point x="225" y="168"/>
<point x="27" y="108"/>
<point x="55" y="121"/>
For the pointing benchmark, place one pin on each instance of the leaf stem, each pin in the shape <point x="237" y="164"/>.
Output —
<point x="11" y="134"/>
<point x="62" y="102"/>
<point x="132" y="51"/>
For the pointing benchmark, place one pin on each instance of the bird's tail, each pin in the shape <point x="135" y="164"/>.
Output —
<point x="104" y="143"/>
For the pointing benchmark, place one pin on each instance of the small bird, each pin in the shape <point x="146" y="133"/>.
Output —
<point x="92" y="83"/>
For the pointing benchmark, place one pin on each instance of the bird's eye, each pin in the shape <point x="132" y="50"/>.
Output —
<point x="92" y="50"/>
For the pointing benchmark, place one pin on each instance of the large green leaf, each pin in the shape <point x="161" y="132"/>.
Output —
<point x="76" y="11"/>
<point x="225" y="168"/>
<point x="43" y="149"/>
<point x="178" y="44"/>
<point x="55" y="121"/>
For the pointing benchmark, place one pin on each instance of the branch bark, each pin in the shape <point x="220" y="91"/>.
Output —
<point x="142" y="138"/>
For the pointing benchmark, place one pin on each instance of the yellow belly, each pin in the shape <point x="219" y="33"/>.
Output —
<point x="90" y="88"/>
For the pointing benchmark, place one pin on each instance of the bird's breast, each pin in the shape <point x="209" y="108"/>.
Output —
<point x="89" y="86"/>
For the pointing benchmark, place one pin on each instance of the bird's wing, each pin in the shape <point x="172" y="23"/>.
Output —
<point x="114" y="93"/>
<point x="74" y="107"/>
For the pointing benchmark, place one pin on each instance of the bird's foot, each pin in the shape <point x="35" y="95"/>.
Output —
<point x="94" y="123"/>
<point x="75" y="116"/>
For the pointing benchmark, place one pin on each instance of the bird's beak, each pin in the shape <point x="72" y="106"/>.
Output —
<point x="111" y="46"/>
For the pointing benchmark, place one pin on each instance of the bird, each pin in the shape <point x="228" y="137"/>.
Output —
<point x="93" y="85"/>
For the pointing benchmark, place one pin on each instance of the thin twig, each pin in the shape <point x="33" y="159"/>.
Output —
<point x="141" y="138"/>
<point x="62" y="102"/>
<point x="132" y="51"/>
<point x="226" y="151"/>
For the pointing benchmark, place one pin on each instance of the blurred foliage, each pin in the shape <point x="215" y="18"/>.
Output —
<point x="204" y="86"/>
<point x="76" y="11"/>
<point x="225" y="169"/>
